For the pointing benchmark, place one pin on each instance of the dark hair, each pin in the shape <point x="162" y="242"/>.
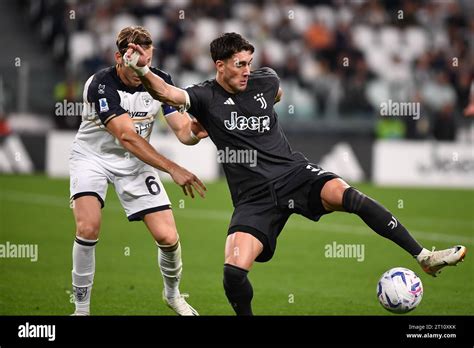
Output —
<point x="226" y="45"/>
<point x="137" y="35"/>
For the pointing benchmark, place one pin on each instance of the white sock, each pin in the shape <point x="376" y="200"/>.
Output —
<point x="83" y="269"/>
<point x="422" y="254"/>
<point x="169" y="260"/>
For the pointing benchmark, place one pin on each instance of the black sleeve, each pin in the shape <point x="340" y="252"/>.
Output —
<point x="199" y="97"/>
<point x="105" y="98"/>
<point x="167" y="109"/>
<point x="272" y="78"/>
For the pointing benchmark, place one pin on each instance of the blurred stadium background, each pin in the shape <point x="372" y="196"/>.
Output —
<point x="339" y="61"/>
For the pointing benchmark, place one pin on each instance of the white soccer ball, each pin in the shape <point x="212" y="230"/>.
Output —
<point x="399" y="290"/>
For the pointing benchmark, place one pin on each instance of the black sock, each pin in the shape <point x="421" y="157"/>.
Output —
<point x="238" y="289"/>
<point x="379" y="219"/>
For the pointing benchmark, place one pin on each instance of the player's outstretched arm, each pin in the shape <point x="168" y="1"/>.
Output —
<point x="123" y="129"/>
<point x="186" y="129"/>
<point x="138" y="60"/>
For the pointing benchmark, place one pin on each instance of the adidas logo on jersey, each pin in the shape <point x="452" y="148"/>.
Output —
<point x="229" y="101"/>
<point x="316" y="170"/>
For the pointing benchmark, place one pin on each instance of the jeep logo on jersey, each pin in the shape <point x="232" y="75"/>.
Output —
<point x="258" y="123"/>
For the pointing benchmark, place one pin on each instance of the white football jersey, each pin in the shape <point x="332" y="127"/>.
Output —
<point x="105" y="97"/>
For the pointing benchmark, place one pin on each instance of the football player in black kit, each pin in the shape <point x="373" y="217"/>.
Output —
<point x="236" y="110"/>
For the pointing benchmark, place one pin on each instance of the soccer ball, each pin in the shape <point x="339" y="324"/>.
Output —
<point x="399" y="290"/>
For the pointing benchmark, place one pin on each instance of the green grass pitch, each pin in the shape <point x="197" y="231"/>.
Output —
<point x="299" y="280"/>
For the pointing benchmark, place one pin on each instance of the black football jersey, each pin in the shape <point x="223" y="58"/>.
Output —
<point x="243" y="125"/>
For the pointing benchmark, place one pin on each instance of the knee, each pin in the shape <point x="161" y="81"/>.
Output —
<point x="167" y="239"/>
<point x="232" y="259"/>
<point x="241" y="260"/>
<point x="332" y="194"/>
<point x="88" y="230"/>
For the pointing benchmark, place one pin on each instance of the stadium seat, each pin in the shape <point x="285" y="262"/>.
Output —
<point x="302" y="18"/>
<point x="244" y="11"/>
<point x="309" y="68"/>
<point x="234" y="26"/>
<point x="440" y="40"/>
<point x="390" y="39"/>
<point x="301" y="101"/>
<point x="188" y="78"/>
<point x="275" y="52"/>
<point x="204" y="64"/>
<point x="271" y="15"/>
<point x="123" y="20"/>
<point x="378" y="60"/>
<point x="155" y="26"/>
<point x="377" y="92"/>
<point x="417" y="40"/>
<point x="175" y="4"/>
<point x="344" y="15"/>
<point x="206" y="30"/>
<point x="325" y="14"/>
<point x="107" y="40"/>
<point x="81" y="46"/>
<point x="363" y="37"/>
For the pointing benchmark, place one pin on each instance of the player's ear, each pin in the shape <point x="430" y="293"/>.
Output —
<point x="220" y="66"/>
<point x="118" y="58"/>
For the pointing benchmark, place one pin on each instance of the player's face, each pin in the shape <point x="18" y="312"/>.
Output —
<point x="126" y="74"/>
<point x="236" y="70"/>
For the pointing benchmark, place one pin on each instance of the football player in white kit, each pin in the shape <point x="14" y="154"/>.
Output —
<point x="112" y="146"/>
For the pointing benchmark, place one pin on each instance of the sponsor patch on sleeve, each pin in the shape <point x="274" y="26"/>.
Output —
<point x="104" y="107"/>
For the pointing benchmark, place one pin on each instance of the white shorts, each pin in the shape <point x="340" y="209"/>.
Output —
<point x="140" y="194"/>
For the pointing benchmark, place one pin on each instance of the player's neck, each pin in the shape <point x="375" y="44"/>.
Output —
<point x="224" y="85"/>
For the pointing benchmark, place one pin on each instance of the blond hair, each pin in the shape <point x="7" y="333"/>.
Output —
<point x="137" y="35"/>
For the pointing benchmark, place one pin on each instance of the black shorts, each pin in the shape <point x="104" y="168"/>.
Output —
<point x="264" y="213"/>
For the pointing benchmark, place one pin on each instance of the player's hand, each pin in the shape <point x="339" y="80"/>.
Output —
<point x="198" y="130"/>
<point x="187" y="181"/>
<point x="137" y="59"/>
